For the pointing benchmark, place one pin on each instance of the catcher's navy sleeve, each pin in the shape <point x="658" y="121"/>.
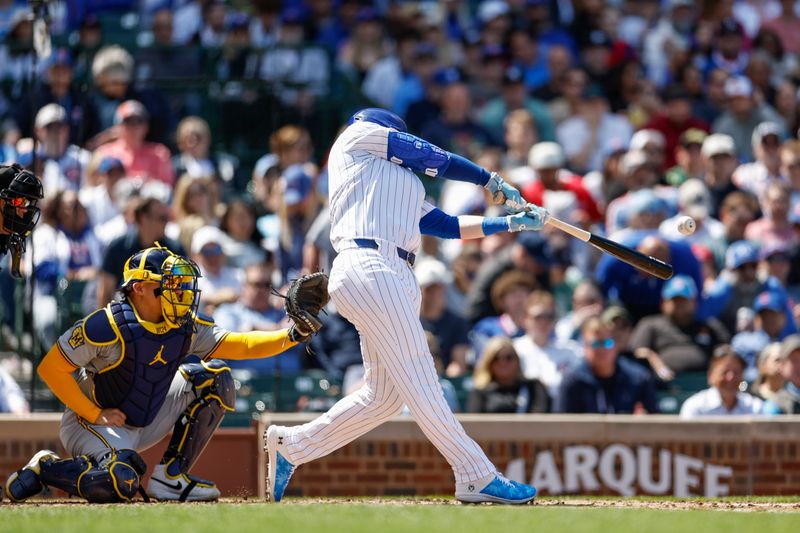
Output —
<point x="421" y="156"/>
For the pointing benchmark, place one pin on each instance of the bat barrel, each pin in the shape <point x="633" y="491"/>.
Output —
<point x="643" y="262"/>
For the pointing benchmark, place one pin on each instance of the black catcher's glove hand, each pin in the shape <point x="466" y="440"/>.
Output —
<point x="304" y="301"/>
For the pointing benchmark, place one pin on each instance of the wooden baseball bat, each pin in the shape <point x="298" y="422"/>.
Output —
<point x="643" y="262"/>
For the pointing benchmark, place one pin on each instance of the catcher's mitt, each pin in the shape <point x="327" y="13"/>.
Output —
<point x="304" y="300"/>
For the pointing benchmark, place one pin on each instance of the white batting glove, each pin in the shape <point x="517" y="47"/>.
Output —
<point x="532" y="220"/>
<point x="504" y="194"/>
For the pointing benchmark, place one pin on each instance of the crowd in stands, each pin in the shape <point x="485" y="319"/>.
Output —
<point x="204" y="125"/>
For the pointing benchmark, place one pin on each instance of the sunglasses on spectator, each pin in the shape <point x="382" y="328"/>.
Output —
<point x="601" y="343"/>
<point x="134" y="121"/>
<point x="212" y="250"/>
<point x="160" y="217"/>
<point x="505" y="356"/>
<point x="55" y="126"/>
<point x="747" y="266"/>
<point x="543" y="316"/>
<point x="259" y="284"/>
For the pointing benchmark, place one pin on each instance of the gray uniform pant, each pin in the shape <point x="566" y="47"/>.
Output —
<point x="82" y="438"/>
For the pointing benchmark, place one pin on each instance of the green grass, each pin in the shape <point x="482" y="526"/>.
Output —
<point x="382" y="518"/>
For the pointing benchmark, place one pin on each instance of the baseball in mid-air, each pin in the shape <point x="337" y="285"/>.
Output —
<point x="686" y="225"/>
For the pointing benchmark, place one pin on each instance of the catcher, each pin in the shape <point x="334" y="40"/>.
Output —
<point x="20" y="190"/>
<point x="125" y="375"/>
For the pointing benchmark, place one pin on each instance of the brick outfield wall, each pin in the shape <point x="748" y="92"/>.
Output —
<point x="561" y="454"/>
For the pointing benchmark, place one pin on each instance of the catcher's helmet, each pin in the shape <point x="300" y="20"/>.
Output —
<point x="177" y="279"/>
<point x="20" y="190"/>
<point x="379" y="116"/>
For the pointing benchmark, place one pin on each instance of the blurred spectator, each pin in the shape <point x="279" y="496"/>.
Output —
<point x="543" y="356"/>
<point x="318" y="251"/>
<point x="728" y="51"/>
<point x="674" y="341"/>
<point x="150" y="217"/>
<point x="243" y="247"/>
<point x="12" y="399"/>
<point x="593" y="133"/>
<point x="236" y="59"/>
<point x="519" y="135"/>
<point x="652" y="143"/>
<point x="499" y="386"/>
<point x="449" y="329"/>
<point x="742" y="116"/>
<point x="755" y="177"/>
<point x="556" y="188"/>
<point x="768" y="326"/>
<point x="255" y="311"/>
<point x="737" y="286"/>
<point x="151" y="161"/>
<point x="527" y="57"/>
<point x="57" y="88"/>
<point x="300" y="74"/>
<point x="769" y="385"/>
<point x="776" y="262"/>
<point x="640" y="293"/>
<point x="265" y="24"/>
<point x="774" y="226"/>
<point x="689" y="161"/>
<point x="418" y="83"/>
<point x="337" y="346"/>
<point x="790" y="169"/>
<point x="530" y="253"/>
<point x="290" y="145"/>
<point x="112" y="74"/>
<point x="454" y="129"/>
<point x="17" y="54"/>
<point x="212" y="30"/>
<point x="603" y="382"/>
<point x="694" y="200"/>
<point x="60" y="165"/>
<point x="587" y="302"/>
<point x="365" y="46"/>
<point x="509" y="294"/>
<point x="786" y="26"/>
<point x="719" y="157"/>
<point x="790" y="370"/>
<point x="559" y="61"/>
<point x="384" y="76"/>
<point x="220" y="283"/>
<point x="725" y="374"/>
<point x="571" y="87"/>
<point x="99" y="200"/>
<point x="672" y="34"/>
<point x="194" y="198"/>
<point x="464" y="267"/>
<point x="675" y="120"/>
<point x="161" y="60"/>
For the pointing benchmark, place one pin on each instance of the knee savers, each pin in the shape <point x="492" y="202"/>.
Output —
<point x="114" y="479"/>
<point x="212" y="380"/>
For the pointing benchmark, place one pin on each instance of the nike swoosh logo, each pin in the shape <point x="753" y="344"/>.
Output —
<point x="176" y="486"/>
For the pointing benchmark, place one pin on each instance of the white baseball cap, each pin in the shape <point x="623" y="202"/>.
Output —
<point x="206" y="235"/>
<point x="642" y="138"/>
<point x="738" y="86"/>
<point x="50" y="114"/>
<point x="717" y="144"/>
<point x="546" y="155"/>
<point x="694" y="198"/>
<point x="430" y="271"/>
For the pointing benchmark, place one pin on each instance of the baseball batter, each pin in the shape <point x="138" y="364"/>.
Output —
<point x="378" y="211"/>
<point x="124" y="376"/>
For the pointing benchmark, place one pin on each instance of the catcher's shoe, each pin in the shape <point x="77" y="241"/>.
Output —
<point x="279" y="469"/>
<point x="25" y="482"/>
<point x="180" y="487"/>
<point x="498" y="490"/>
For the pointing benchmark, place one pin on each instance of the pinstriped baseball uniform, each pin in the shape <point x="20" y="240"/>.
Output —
<point x="372" y="198"/>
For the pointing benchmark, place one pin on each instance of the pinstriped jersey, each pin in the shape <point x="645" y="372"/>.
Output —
<point x="369" y="196"/>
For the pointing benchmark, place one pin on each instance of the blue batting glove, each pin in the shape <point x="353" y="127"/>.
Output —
<point x="505" y="194"/>
<point x="532" y="220"/>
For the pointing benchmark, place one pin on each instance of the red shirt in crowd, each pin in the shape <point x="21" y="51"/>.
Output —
<point x="534" y="192"/>
<point x="150" y="161"/>
<point x="672" y="133"/>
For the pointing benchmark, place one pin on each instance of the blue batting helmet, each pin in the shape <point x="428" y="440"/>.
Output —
<point x="379" y="116"/>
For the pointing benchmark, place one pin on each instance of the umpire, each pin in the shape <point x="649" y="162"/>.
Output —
<point x="20" y="191"/>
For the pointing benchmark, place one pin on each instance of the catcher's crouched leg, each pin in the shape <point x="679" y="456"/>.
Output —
<point x="194" y="428"/>
<point x="115" y="478"/>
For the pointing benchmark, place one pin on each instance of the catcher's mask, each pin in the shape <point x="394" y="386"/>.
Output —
<point x="19" y="198"/>
<point x="177" y="279"/>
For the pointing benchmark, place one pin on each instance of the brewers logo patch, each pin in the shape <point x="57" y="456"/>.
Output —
<point x="77" y="338"/>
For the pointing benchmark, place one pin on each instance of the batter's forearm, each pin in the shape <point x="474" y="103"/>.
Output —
<point x="474" y="227"/>
<point x="56" y="371"/>
<point x="253" y="344"/>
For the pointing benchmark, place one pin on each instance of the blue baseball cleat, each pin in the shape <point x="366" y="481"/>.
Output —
<point x="498" y="490"/>
<point x="279" y="469"/>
